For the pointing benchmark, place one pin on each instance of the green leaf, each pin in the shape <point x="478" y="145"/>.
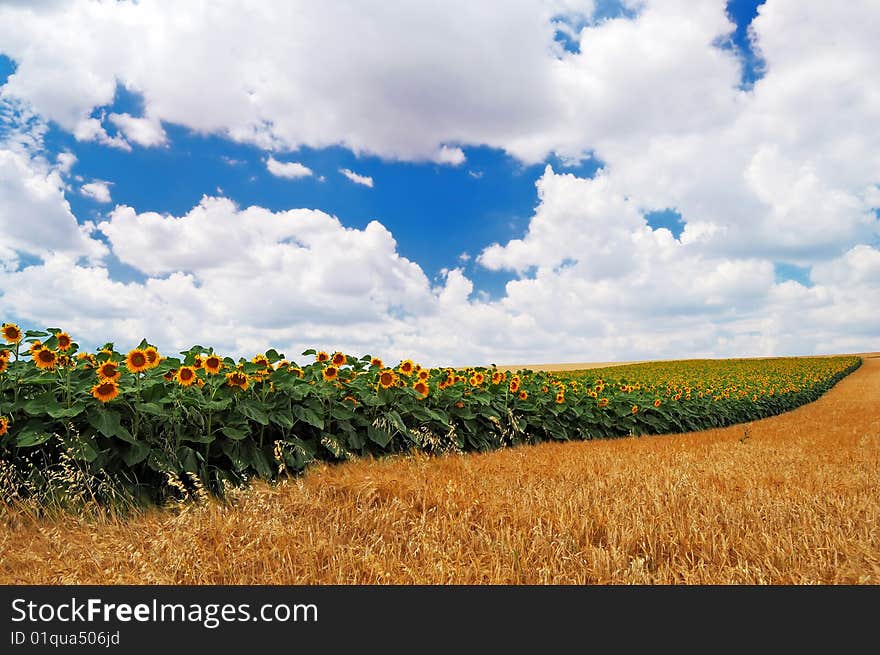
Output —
<point x="151" y="408"/>
<point x="254" y="412"/>
<point x="282" y="418"/>
<point x="380" y="437"/>
<point x="396" y="421"/>
<point x="135" y="453"/>
<point x="45" y="403"/>
<point x="107" y="422"/>
<point x="308" y="415"/>
<point x="32" y="434"/>
<point x="235" y="433"/>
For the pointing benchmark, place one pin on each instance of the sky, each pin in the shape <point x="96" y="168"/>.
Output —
<point x="461" y="183"/>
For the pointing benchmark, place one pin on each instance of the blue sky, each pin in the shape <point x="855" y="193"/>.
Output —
<point x="611" y="147"/>
<point x="437" y="213"/>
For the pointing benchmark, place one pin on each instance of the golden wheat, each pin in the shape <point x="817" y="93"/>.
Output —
<point x="791" y="499"/>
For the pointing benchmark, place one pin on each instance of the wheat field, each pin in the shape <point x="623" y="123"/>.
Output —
<point x="794" y="499"/>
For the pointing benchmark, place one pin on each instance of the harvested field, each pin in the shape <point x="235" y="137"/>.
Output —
<point x="788" y="500"/>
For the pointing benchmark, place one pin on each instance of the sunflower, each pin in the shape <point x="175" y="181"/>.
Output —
<point x="5" y="354"/>
<point x="330" y="373"/>
<point x="186" y="376"/>
<point x="603" y="402"/>
<point x="64" y="341"/>
<point x="423" y="375"/>
<point x="338" y="359"/>
<point x="480" y="378"/>
<point x="496" y="378"/>
<point x="407" y="367"/>
<point x="152" y="356"/>
<point x="170" y="375"/>
<point x="36" y="346"/>
<point x="282" y="364"/>
<point x="4" y="363"/>
<point x="387" y="378"/>
<point x="11" y="332"/>
<point x="296" y="370"/>
<point x="350" y="399"/>
<point x="213" y="364"/>
<point x="657" y="403"/>
<point x="4" y="425"/>
<point x="261" y="360"/>
<point x="197" y="361"/>
<point x="109" y="371"/>
<point x="237" y="379"/>
<point x="322" y="356"/>
<point x="523" y="395"/>
<point x="136" y="361"/>
<point x="88" y="358"/>
<point x="421" y="388"/>
<point x="105" y="390"/>
<point x="377" y="362"/>
<point x="560" y="398"/>
<point x="45" y="358"/>
<point x="514" y="384"/>
<point x="634" y="410"/>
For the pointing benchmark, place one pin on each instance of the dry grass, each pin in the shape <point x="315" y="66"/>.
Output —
<point x="792" y="499"/>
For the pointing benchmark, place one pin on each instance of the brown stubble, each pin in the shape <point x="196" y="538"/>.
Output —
<point x="789" y="500"/>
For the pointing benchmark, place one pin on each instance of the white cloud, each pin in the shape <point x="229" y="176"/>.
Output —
<point x="35" y="217"/>
<point x="364" y="180"/>
<point x="65" y="161"/>
<point x="290" y="170"/>
<point x="97" y="190"/>
<point x="451" y="156"/>
<point x="142" y="131"/>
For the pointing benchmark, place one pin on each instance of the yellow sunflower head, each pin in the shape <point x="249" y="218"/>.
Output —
<point x="338" y="359"/>
<point x="186" y="376"/>
<point x="35" y="347"/>
<point x="45" y="359"/>
<point x="635" y="409"/>
<point x="5" y="354"/>
<point x="330" y="373"/>
<point x="421" y="388"/>
<point x="262" y="360"/>
<point x="423" y="374"/>
<point x="11" y="333"/>
<point x="152" y="356"/>
<point x="136" y="361"/>
<point x="4" y="363"/>
<point x="603" y="402"/>
<point x="657" y="403"/>
<point x="560" y="398"/>
<point x="4" y="425"/>
<point x="407" y="366"/>
<point x="237" y="379"/>
<point x="387" y="378"/>
<point x="105" y="390"/>
<point x="170" y="375"/>
<point x="213" y="364"/>
<point x="64" y="341"/>
<point x="376" y="362"/>
<point x="523" y="395"/>
<point x="322" y="356"/>
<point x="296" y="370"/>
<point x="109" y="371"/>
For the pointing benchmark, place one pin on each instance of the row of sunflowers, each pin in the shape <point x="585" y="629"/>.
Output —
<point x="151" y="420"/>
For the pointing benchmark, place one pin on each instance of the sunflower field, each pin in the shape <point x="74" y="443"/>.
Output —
<point x="160" y="425"/>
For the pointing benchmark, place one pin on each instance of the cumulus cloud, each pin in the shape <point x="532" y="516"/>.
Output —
<point x="363" y="180"/>
<point x="290" y="170"/>
<point x="35" y="217"/>
<point x="142" y="131"/>
<point x="97" y="190"/>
